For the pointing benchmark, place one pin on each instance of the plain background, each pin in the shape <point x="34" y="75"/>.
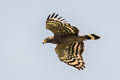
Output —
<point x="22" y="30"/>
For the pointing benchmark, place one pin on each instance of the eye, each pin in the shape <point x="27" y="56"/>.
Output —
<point x="51" y="37"/>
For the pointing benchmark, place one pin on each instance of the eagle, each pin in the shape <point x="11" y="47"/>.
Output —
<point x="69" y="44"/>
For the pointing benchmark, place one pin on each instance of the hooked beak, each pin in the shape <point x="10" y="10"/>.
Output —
<point x="44" y="42"/>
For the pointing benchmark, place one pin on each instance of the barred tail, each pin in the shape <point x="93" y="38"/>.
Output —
<point x="91" y="37"/>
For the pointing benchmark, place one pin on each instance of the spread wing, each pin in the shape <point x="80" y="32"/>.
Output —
<point x="72" y="55"/>
<point x="60" y="27"/>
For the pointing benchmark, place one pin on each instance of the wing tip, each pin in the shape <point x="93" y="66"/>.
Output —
<point x="55" y="16"/>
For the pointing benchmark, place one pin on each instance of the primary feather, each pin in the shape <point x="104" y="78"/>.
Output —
<point x="60" y="27"/>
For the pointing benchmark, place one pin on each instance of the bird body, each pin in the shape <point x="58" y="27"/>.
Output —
<point x="70" y="45"/>
<point x="66" y="41"/>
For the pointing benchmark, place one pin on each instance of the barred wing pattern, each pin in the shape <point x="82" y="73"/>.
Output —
<point x="73" y="55"/>
<point x="60" y="27"/>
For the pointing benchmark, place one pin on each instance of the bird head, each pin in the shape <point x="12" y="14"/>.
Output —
<point x="48" y="39"/>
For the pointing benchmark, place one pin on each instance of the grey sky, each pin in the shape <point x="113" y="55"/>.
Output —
<point x="22" y="30"/>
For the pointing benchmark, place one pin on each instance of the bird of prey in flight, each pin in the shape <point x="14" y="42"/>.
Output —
<point x="70" y="45"/>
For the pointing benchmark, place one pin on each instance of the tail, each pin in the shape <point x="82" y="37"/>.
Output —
<point x="91" y="37"/>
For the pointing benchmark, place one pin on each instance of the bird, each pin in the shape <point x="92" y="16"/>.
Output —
<point x="69" y="44"/>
